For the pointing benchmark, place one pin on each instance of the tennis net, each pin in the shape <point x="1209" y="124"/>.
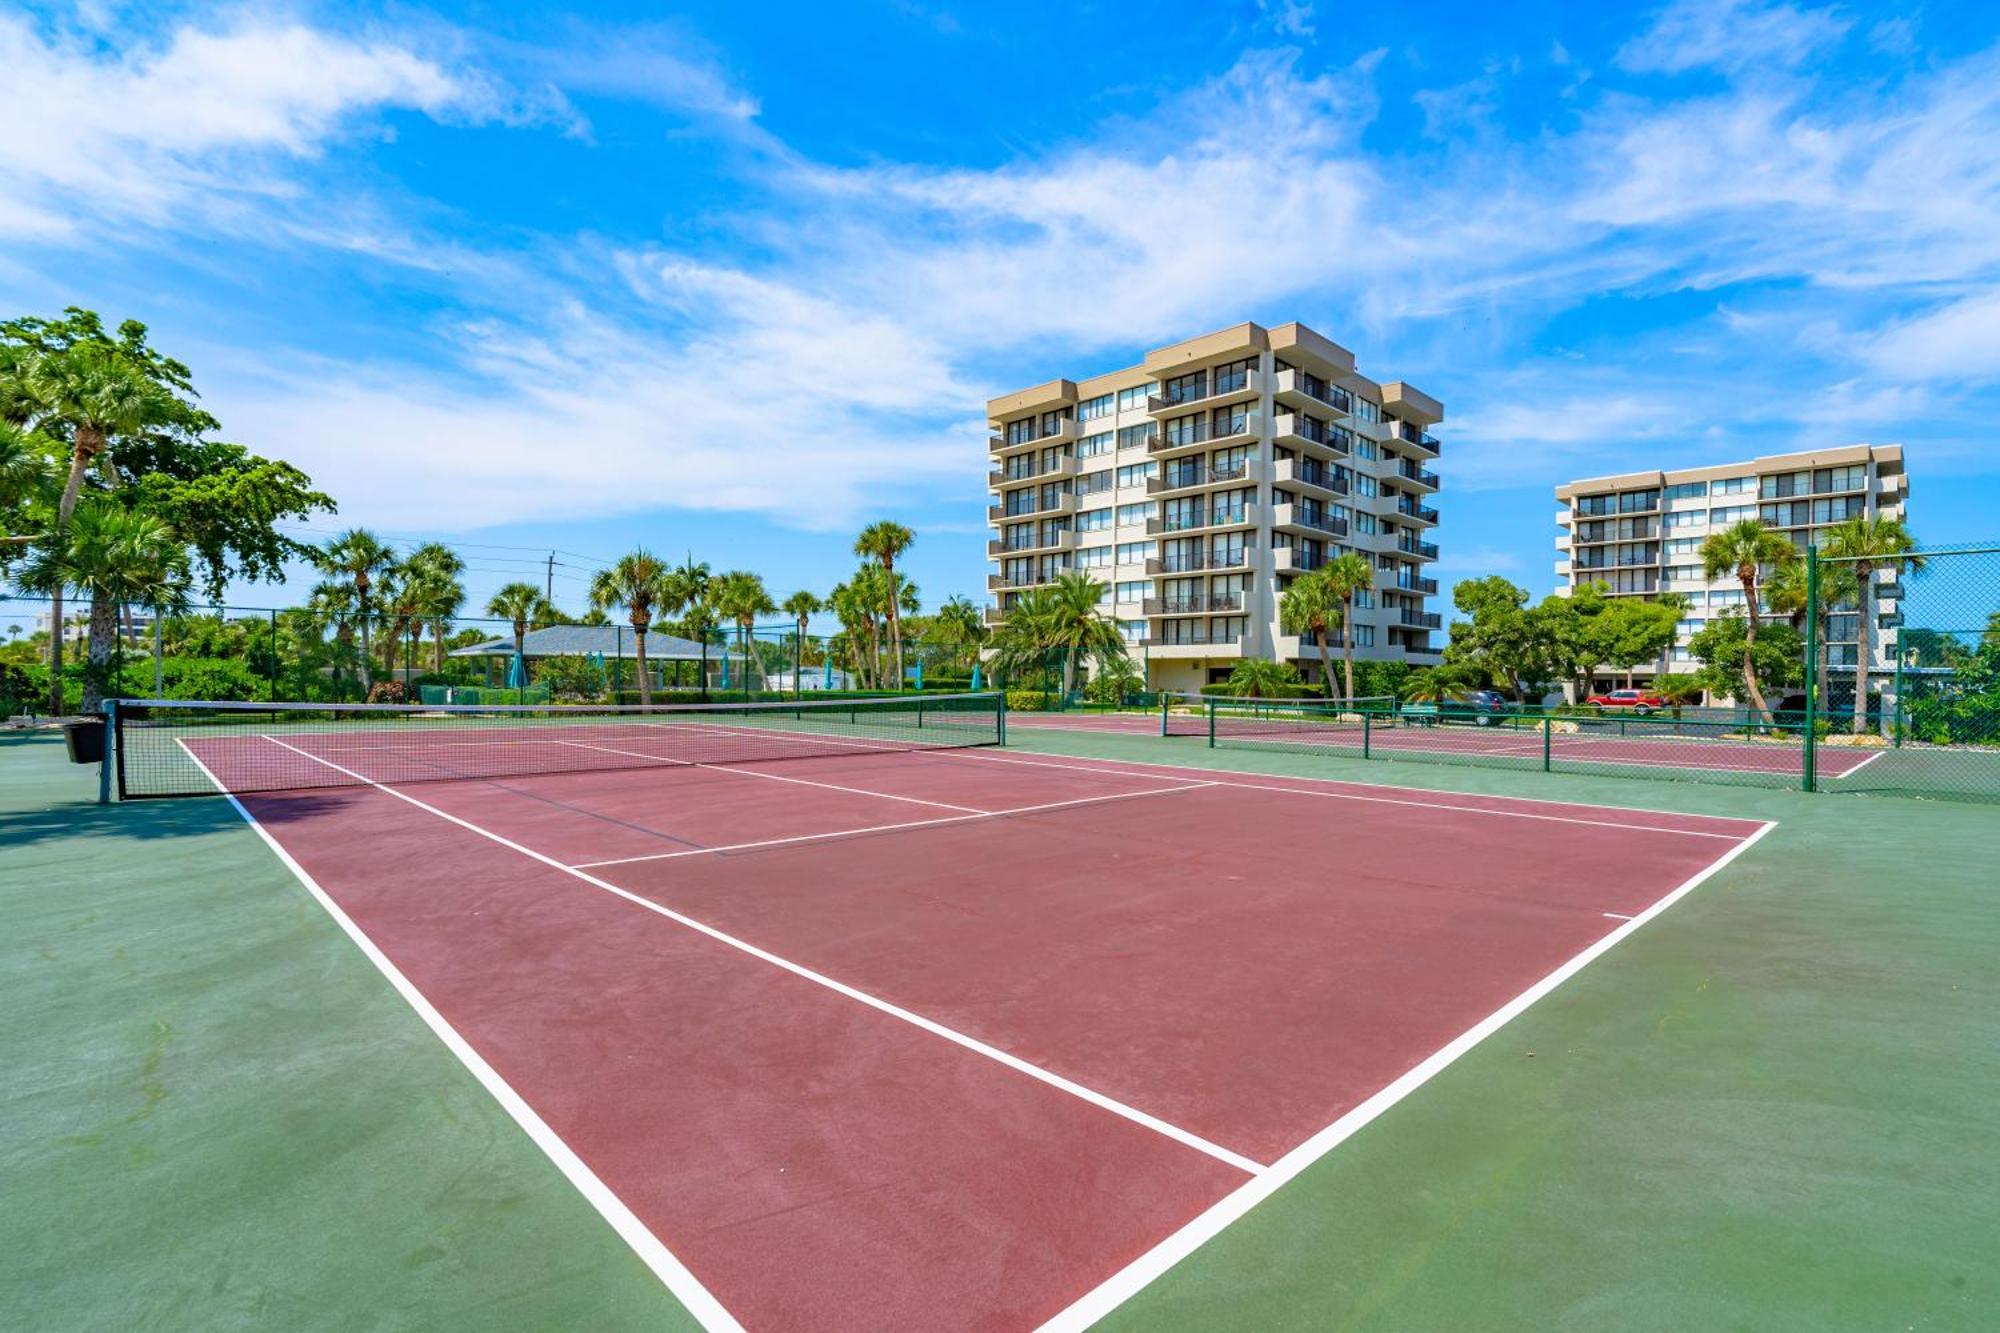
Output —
<point x="179" y="748"/>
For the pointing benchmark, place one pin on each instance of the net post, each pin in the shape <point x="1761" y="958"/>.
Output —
<point x="1548" y="731"/>
<point x="1163" y="712"/>
<point x="1809" y="758"/>
<point x="1367" y="734"/>
<point x="104" y="758"/>
<point x="1000" y="701"/>
<point x="1211" y="722"/>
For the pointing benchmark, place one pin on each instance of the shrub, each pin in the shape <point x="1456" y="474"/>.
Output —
<point x="389" y="692"/>
<point x="1028" y="701"/>
<point x="571" y="677"/>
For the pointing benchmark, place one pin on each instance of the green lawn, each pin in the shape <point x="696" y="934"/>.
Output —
<point x="1771" y="1108"/>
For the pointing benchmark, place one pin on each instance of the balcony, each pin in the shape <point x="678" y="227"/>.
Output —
<point x="1427" y="442"/>
<point x="1065" y="432"/>
<point x="1198" y="645"/>
<point x="1290" y="383"/>
<point x="1296" y="431"/>
<point x="1061" y="541"/>
<point x="1421" y="620"/>
<point x="1175" y="524"/>
<point x="1197" y="605"/>
<point x="1194" y="476"/>
<point x="1417" y="476"/>
<point x="1306" y="474"/>
<point x="1001" y="478"/>
<point x="1196" y="562"/>
<point x="1305" y="647"/>
<point x="995" y="617"/>
<point x="1409" y="508"/>
<point x="1421" y="550"/>
<point x="1001" y="583"/>
<point x="1251" y="385"/>
<point x="1295" y="560"/>
<point x="1296" y="517"/>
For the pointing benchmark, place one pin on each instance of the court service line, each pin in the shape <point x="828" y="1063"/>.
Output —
<point x="1379" y="800"/>
<point x="835" y="834"/>
<point x="1134" y="1277"/>
<point x="777" y="777"/>
<point x="1850" y="772"/>
<point x="1182" y="1136"/>
<point x="652" y="1251"/>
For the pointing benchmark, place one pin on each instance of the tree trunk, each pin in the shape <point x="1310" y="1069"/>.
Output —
<point x="1325" y="663"/>
<point x="97" y="669"/>
<point x="367" y="661"/>
<point x="639" y="644"/>
<point x="1347" y="647"/>
<point x="1069" y="672"/>
<point x="56" y="698"/>
<point x="1749" y="645"/>
<point x="437" y="647"/>
<point x="895" y="622"/>
<point x="1865" y="601"/>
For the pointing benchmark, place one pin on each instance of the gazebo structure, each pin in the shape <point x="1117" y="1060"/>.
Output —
<point x="606" y="644"/>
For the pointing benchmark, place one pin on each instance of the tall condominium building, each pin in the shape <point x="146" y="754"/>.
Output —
<point x="1198" y="484"/>
<point x="1640" y="533"/>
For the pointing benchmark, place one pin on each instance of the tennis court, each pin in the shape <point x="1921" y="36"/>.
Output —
<point x="851" y="1022"/>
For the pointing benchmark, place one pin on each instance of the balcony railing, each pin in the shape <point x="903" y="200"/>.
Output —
<point x="1233" y="517"/>
<point x="1292" y="380"/>
<point x="1064" y="430"/>
<point x="1198" y="605"/>
<point x="1305" y="428"/>
<point x="1411" y="509"/>
<point x="1292" y="559"/>
<point x="1039" y="542"/>
<point x="1196" y="562"/>
<point x="1173" y="478"/>
<point x="1418" y="475"/>
<point x="1429" y="443"/>
<point x="1425" y="550"/>
<point x="1422" y="619"/>
<point x="1305" y="472"/>
<point x="1407" y="583"/>
<point x="1295" y="516"/>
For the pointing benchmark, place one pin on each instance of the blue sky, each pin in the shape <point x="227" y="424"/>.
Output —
<point x="738" y="280"/>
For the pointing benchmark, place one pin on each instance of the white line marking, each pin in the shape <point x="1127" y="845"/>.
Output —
<point x="779" y="777"/>
<point x="1134" y="1277"/>
<point x="1835" y="777"/>
<point x="835" y="834"/>
<point x="994" y="1053"/>
<point x="684" y="1285"/>
<point x="1616" y="916"/>
<point x="1227" y="773"/>
<point x="1384" y="800"/>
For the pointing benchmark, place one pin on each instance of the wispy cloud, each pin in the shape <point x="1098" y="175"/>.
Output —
<point x="1730" y="35"/>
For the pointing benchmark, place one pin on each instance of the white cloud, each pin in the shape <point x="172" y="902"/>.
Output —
<point x="1957" y="341"/>
<point x="1730" y="35"/>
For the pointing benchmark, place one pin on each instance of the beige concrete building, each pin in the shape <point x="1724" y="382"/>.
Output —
<point x="1640" y="534"/>
<point x="1200" y="482"/>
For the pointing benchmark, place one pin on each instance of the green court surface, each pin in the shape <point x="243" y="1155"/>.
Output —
<point x="1770" y="1108"/>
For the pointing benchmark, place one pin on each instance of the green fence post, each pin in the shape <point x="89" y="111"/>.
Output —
<point x="1163" y="712"/>
<point x="1809" y="757"/>
<point x="1001" y="700"/>
<point x="1367" y="734"/>
<point x="1548" y="730"/>
<point x="104" y="758"/>
<point x="1211" y="724"/>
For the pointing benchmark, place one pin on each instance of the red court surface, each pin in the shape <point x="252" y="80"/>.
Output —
<point x="959" y="1039"/>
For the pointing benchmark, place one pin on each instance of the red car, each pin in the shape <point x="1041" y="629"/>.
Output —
<point x="1639" y="701"/>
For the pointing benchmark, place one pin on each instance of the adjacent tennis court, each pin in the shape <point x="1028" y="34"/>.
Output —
<point x="858" y="1020"/>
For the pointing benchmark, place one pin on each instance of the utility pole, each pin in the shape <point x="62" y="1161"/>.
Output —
<point x="549" y="582"/>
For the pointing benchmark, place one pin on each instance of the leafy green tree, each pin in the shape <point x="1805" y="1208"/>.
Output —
<point x="1260" y="678"/>
<point x="639" y="582"/>
<point x="1744" y="549"/>
<point x="522" y="604"/>
<point x="436" y="594"/>
<point x="1432" y="685"/>
<point x="1505" y="638"/>
<point x="884" y="542"/>
<point x="801" y="606"/>
<point x="1774" y="658"/>
<point x="1073" y="627"/>
<point x="1870" y="543"/>
<point x="1633" y="633"/>
<point x="960" y="625"/>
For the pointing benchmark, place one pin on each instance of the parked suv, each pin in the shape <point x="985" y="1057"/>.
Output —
<point x="1638" y="701"/>
<point x="1483" y="707"/>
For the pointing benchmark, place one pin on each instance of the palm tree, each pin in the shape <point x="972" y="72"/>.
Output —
<point x="1867" y="544"/>
<point x="88" y="393"/>
<point x="1742" y="549"/>
<point x="873" y="599"/>
<point x="361" y="557"/>
<point x="523" y="604"/>
<point x="846" y="604"/>
<point x="330" y="605"/>
<point x="117" y="555"/>
<point x="801" y="606"/>
<point x="1431" y="685"/>
<point x="959" y="622"/>
<point x="885" y="542"/>
<point x="1347" y="575"/>
<point x="1258" y="678"/>
<point x="638" y="582"/>
<point x="434" y="569"/>
<point x="1312" y="605"/>
<point x="740" y="598"/>
<point x="1071" y="623"/>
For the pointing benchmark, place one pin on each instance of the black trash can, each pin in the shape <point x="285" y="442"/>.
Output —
<point x="85" y="741"/>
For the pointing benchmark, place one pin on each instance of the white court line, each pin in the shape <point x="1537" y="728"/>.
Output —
<point x="836" y="834"/>
<point x="1616" y="916"/>
<point x="1134" y="1277"/>
<point x="684" y="1285"/>
<point x="1835" y="777"/>
<point x="778" y="777"/>
<point x="935" y="1028"/>
<point x="1380" y="800"/>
